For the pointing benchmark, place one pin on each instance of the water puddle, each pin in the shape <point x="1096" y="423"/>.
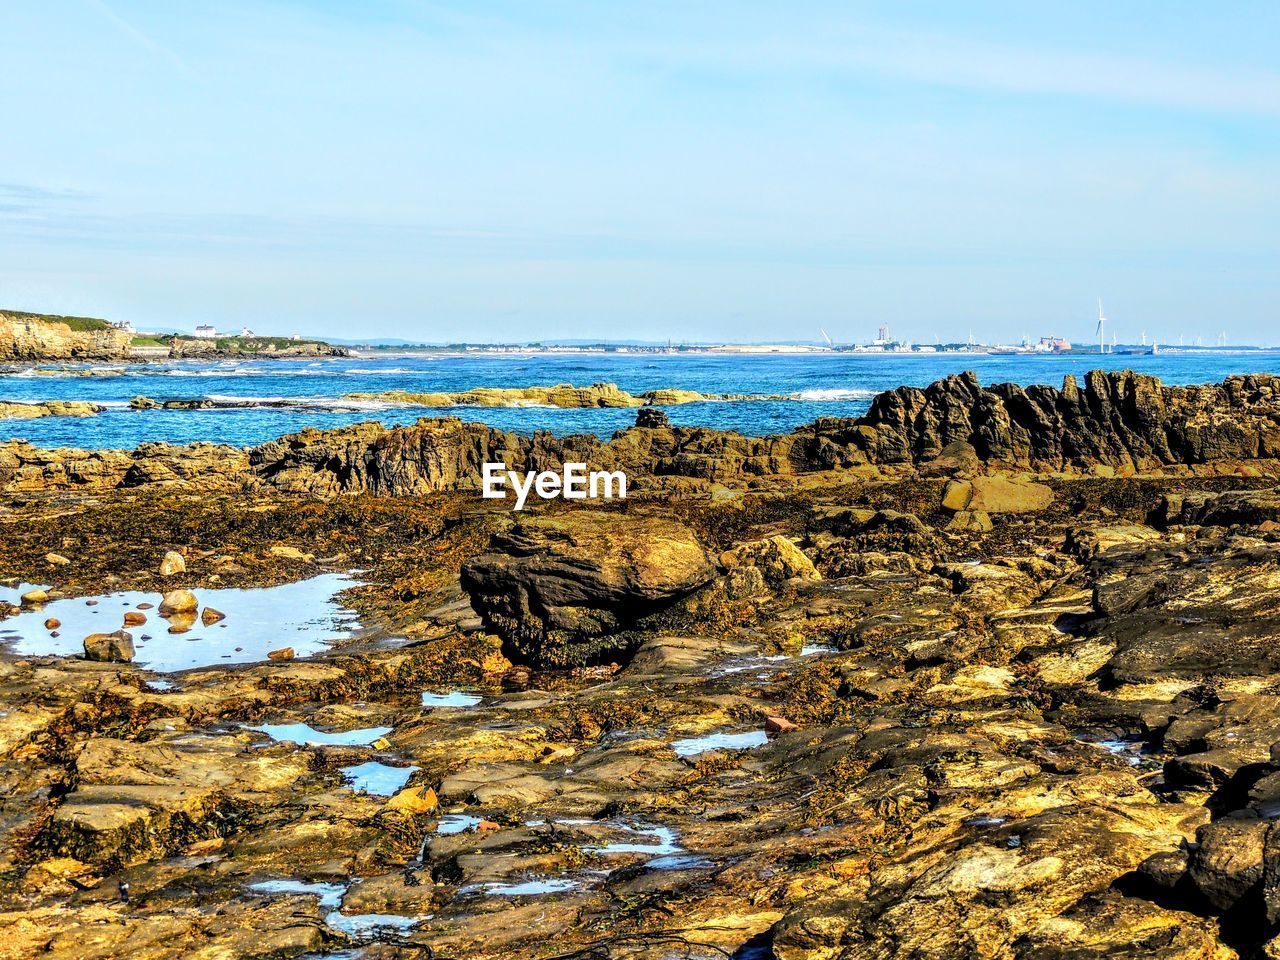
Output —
<point x="534" y="887"/>
<point x="1133" y="750"/>
<point x="306" y="735"/>
<point x="378" y="779"/>
<point x="330" y="894"/>
<point x="452" y="823"/>
<point x="360" y="926"/>
<point x="693" y="746"/>
<point x="454" y="698"/>
<point x="663" y="841"/>
<point x="304" y="615"/>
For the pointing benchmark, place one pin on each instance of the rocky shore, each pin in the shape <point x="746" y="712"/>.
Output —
<point x="989" y="672"/>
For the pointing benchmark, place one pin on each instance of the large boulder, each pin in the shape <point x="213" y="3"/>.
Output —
<point x="109" y="647"/>
<point x="776" y="557"/>
<point x="996" y="495"/>
<point x="553" y="587"/>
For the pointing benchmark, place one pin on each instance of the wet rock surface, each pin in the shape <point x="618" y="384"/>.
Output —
<point x="806" y="723"/>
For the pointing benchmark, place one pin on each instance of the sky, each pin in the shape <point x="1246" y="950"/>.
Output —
<point x="729" y="171"/>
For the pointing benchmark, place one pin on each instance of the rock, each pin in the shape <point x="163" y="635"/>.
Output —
<point x="779" y="725"/>
<point x="669" y="397"/>
<point x="551" y="585"/>
<point x="996" y="495"/>
<point x="48" y="408"/>
<point x="143" y="403"/>
<point x="1226" y="863"/>
<point x="743" y="583"/>
<point x="777" y="558"/>
<point x="178" y="601"/>
<point x="210" y="616"/>
<point x="417" y="801"/>
<point x="173" y="563"/>
<point x="52" y="623"/>
<point x="133" y="618"/>
<point x="56" y="559"/>
<point x="291" y="553"/>
<point x="33" y="598"/>
<point x="959" y="456"/>
<point x="109" y="647"/>
<point x="284" y="653"/>
<point x="648" y="418"/>
<point x="970" y="521"/>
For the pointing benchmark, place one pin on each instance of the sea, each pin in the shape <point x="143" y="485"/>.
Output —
<point x="808" y="385"/>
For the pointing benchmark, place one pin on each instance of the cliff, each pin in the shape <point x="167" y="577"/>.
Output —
<point x="37" y="337"/>
<point x="33" y="337"/>
<point x="1118" y="422"/>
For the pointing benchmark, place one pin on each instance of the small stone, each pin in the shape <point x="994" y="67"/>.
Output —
<point x="975" y="521"/>
<point x="172" y="563"/>
<point x="290" y="553"/>
<point x="53" y="623"/>
<point x="178" y="601"/>
<point x="57" y="559"/>
<point x="34" y="597"/>
<point x="109" y="647"/>
<point x="145" y="606"/>
<point x="414" y="800"/>
<point x="779" y="725"/>
<point x="210" y="616"/>
<point x="134" y="619"/>
<point x="284" y="653"/>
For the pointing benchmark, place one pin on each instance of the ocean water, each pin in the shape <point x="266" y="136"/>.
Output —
<point x="813" y="385"/>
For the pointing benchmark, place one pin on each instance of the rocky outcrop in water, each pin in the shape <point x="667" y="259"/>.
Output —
<point x="48" y="408"/>
<point x="1117" y="423"/>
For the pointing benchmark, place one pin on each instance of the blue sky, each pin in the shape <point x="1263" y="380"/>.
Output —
<point x="708" y="170"/>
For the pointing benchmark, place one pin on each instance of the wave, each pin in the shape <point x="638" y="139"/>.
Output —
<point x="830" y="394"/>
<point x="58" y="373"/>
<point x="366" y="371"/>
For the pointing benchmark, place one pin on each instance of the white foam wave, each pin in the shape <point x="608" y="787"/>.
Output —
<point x="828" y="394"/>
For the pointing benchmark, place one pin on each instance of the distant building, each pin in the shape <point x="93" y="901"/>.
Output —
<point x="296" y="336"/>
<point x="206" y="332"/>
<point x="246" y="332"/>
<point x="124" y="326"/>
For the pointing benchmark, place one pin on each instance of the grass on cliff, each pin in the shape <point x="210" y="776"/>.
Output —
<point x="77" y="324"/>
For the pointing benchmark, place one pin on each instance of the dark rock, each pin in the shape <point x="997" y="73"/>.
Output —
<point x="651" y="418"/>
<point x="551" y="585"/>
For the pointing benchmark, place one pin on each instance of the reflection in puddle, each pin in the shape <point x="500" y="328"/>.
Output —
<point x="303" y="615"/>
<point x="525" y="888"/>
<point x="329" y="894"/>
<point x="1133" y="750"/>
<point x="360" y="926"/>
<point x="457" y="823"/>
<point x="667" y="841"/>
<point x="368" y="926"/>
<point x="375" y="778"/>
<point x="306" y="735"/>
<point x="693" y="746"/>
<point x="679" y="861"/>
<point x="455" y="698"/>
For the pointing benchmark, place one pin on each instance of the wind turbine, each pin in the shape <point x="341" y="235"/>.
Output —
<point x="1102" y="329"/>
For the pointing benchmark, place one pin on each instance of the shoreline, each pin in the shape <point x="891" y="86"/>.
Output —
<point x="783" y="685"/>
